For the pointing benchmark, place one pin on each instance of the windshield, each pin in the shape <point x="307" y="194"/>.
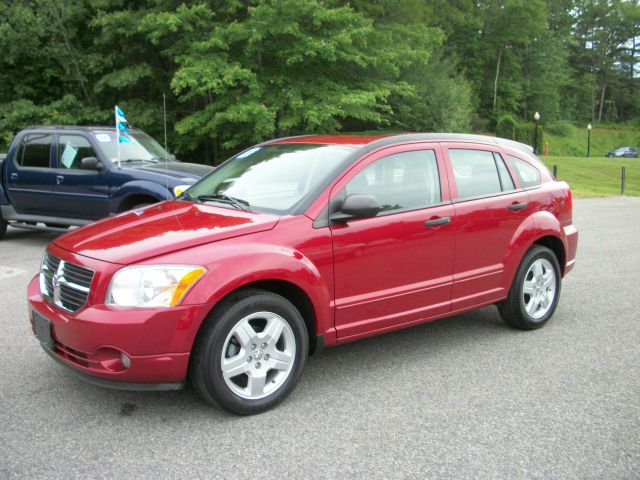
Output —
<point x="142" y="147"/>
<point x="272" y="178"/>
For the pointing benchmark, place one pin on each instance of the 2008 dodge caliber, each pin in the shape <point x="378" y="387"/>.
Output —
<point x="300" y="243"/>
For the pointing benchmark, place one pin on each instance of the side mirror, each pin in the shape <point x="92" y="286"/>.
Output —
<point x="357" y="206"/>
<point x="90" y="163"/>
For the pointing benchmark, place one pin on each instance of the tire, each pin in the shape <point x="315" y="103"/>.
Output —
<point x="535" y="291"/>
<point x="250" y="352"/>
<point x="3" y="227"/>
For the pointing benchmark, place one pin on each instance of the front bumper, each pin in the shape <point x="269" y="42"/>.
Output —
<point x="134" y="349"/>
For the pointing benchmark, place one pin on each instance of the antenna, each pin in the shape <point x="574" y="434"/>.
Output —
<point x="164" y="118"/>
<point x="164" y="121"/>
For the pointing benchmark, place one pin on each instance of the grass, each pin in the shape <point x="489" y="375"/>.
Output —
<point x="603" y="140"/>
<point x="597" y="176"/>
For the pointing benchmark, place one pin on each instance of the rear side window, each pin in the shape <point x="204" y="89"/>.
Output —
<point x="72" y="149"/>
<point x="403" y="181"/>
<point x="475" y="172"/>
<point x="528" y="175"/>
<point x="35" y="151"/>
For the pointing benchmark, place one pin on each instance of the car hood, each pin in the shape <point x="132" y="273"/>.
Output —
<point x="174" y="169"/>
<point x="159" y="229"/>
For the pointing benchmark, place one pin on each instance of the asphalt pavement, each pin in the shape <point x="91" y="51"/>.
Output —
<point x="465" y="397"/>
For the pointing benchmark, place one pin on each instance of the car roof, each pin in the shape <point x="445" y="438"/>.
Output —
<point x="86" y="128"/>
<point x="375" y="141"/>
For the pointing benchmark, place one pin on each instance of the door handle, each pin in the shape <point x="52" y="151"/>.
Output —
<point x="59" y="179"/>
<point x="14" y="176"/>
<point x="517" y="206"/>
<point x="437" y="222"/>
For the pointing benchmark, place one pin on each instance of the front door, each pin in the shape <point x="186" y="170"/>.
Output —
<point x="395" y="268"/>
<point x="79" y="193"/>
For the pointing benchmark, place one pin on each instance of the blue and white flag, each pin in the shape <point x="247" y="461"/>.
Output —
<point x="122" y="126"/>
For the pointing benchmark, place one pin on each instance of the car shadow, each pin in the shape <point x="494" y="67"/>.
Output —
<point x="325" y="373"/>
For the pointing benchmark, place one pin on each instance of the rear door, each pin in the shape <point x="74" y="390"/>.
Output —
<point x="30" y="177"/>
<point x="489" y="209"/>
<point x="395" y="268"/>
<point x="79" y="193"/>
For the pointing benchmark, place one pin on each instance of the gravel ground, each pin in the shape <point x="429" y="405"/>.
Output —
<point x="465" y="397"/>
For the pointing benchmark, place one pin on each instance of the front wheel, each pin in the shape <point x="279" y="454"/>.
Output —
<point x="535" y="291"/>
<point x="250" y="352"/>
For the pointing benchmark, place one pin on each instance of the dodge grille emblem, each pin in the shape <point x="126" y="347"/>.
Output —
<point x="56" y="281"/>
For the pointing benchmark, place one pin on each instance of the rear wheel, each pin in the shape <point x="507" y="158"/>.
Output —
<point x="535" y="291"/>
<point x="250" y="353"/>
<point x="3" y="227"/>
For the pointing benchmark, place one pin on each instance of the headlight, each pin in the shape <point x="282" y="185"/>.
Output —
<point x="180" y="189"/>
<point x="152" y="285"/>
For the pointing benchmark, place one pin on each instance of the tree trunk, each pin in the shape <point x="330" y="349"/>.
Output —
<point x="495" y="82"/>
<point x="601" y="107"/>
<point x="73" y="60"/>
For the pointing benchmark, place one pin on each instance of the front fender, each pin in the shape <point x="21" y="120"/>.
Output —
<point x="243" y="264"/>
<point x="139" y="187"/>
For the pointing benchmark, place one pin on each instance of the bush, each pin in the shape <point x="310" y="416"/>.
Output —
<point x="506" y="127"/>
<point x="509" y="127"/>
<point x="562" y="128"/>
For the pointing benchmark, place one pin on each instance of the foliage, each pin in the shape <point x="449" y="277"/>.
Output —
<point x="562" y="128"/>
<point x="236" y="72"/>
<point x="508" y="127"/>
<point x="603" y="140"/>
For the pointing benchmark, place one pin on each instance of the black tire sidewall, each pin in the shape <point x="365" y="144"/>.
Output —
<point x="212" y="377"/>
<point x="533" y="255"/>
<point x="3" y="226"/>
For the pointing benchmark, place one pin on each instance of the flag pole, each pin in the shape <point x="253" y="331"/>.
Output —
<point x="115" y="112"/>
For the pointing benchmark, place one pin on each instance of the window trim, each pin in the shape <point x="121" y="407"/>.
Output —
<point x="22" y="144"/>
<point x="325" y="201"/>
<point x="56" y="156"/>
<point x="512" y="164"/>
<point x="452" y="178"/>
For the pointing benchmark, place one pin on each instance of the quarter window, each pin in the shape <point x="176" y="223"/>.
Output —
<point x="475" y="172"/>
<point x="403" y="181"/>
<point x="35" y="151"/>
<point x="72" y="149"/>
<point x="528" y="175"/>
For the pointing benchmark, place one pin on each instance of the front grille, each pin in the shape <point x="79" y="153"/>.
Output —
<point x="65" y="284"/>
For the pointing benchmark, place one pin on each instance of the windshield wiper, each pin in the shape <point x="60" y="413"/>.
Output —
<point x="238" y="203"/>
<point x="130" y="160"/>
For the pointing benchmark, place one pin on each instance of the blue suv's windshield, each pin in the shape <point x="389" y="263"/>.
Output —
<point x="142" y="148"/>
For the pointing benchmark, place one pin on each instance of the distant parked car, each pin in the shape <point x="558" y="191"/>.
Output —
<point x="61" y="176"/>
<point x="627" y="152"/>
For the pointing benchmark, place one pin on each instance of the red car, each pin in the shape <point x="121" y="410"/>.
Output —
<point x="300" y="243"/>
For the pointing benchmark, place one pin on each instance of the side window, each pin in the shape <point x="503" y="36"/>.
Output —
<point x="72" y="149"/>
<point x="505" y="177"/>
<point x="403" y="181"/>
<point x="475" y="172"/>
<point x="528" y="175"/>
<point x="35" y="151"/>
